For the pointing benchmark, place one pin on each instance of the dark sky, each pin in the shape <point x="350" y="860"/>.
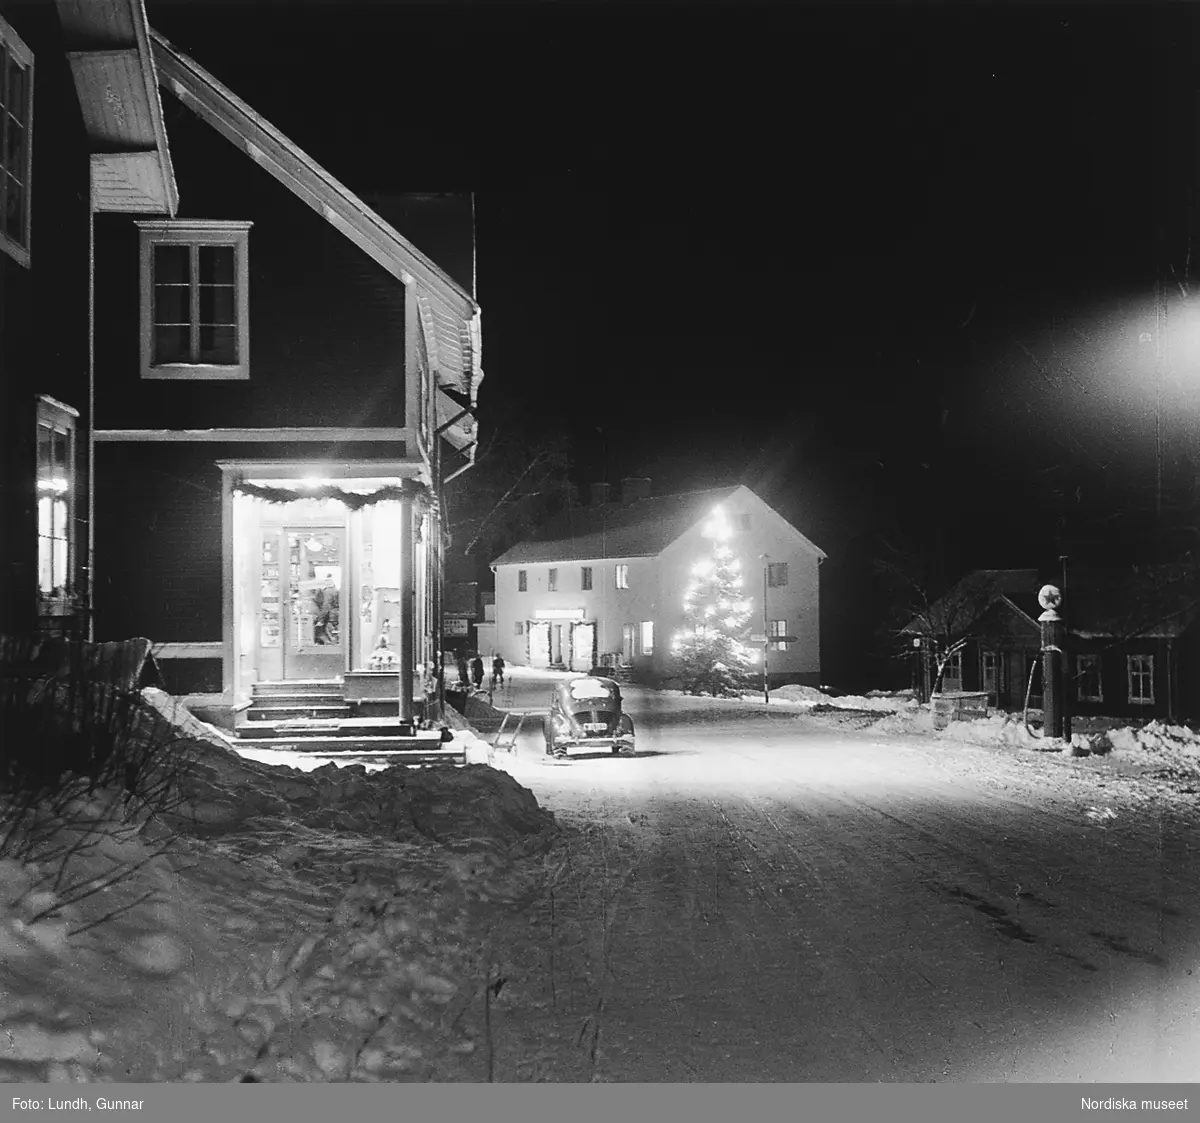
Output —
<point x="881" y="263"/>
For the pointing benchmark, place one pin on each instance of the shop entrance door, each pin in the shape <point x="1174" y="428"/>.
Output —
<point x="539" y="644"/>
<point x="583" y="640"/>
<point x="313" y="560"/>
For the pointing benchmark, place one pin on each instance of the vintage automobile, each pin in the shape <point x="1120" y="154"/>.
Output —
<point x="587" y="711"/>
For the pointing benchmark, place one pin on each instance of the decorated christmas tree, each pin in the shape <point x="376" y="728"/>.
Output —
<point x="710" y="650"/>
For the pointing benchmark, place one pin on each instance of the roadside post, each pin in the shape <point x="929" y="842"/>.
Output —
<point x="1053" y="639"/>
<point x="766" y="634"/>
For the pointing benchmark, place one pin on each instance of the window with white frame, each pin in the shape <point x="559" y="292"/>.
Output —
<point x="647" y="637"/>
<point x="195" y="299"/>
<point x="1141" y="678"/>
<point x="16" y="124"/>
<point x="622" y="575"/>
<point x="55" y="497"/>
<point x="989" y="671"/>
<point x="952" y="675"/>
<point x="778" y="628"/>
<point x="585" y="577"/>
<point x="552" y="581"/>
<point x="1089" y="687"/>
<point x="522" y="580"/>
<point x="519" y="628"/>
<point x="777" y="575"/>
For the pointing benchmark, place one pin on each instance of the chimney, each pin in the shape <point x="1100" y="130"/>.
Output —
<point x="599" y="495"/>
<point x="634" y="488"/>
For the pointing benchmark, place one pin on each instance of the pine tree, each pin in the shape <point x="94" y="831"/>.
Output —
<point x="710" y="651"/>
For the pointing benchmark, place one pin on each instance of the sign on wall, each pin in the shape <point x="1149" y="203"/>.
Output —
<point x="558" y="613"/>
<point x="455" y="625"/>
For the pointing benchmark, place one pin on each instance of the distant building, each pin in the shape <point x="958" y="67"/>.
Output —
<point x="606" y="582"/>
<point x="1134" y="644"/>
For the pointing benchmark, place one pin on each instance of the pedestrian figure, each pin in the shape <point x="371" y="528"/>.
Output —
<point x="477" y="671"/>
<point x="497" y="672"/>
<point x="464" y="678"/>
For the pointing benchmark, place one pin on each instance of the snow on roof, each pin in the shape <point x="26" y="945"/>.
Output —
<point x="643" y="528"/>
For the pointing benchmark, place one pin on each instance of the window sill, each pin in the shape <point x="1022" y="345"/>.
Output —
<point x="198" y="372"/>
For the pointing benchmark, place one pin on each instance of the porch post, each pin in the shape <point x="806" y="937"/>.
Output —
<point x="229" y="666"/>
<point x="407" y="608"/>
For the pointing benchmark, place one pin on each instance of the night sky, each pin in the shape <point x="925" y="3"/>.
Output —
<point x="893" y="267"/>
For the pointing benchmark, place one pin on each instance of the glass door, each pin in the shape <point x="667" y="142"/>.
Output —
<point x="312" y="563"/>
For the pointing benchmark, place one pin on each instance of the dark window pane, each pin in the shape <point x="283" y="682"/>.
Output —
<point x="5" y="63"/>
<point x="218" y="345"/>
<point x="216" y="265"/>
<point x="61" y="452"/>
<point x="171" y="264"/>
<point x="45" y="447"/>
<point x="14" y="210"/>
<point x="16" y="90"/>
<point x="172" y="344"/>
<point x="14" y="150"/>
<point x="217" y="305"/>
<point x="171" y="304"/>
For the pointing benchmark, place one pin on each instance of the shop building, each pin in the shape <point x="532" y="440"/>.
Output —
<point x="605" y="583"/>
<point x="283" y="382"/>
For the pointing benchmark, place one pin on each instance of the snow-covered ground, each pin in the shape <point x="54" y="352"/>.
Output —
<point x="281" y="924"/>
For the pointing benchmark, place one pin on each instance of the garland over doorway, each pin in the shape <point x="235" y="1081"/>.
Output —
<point x="353" y="500"/>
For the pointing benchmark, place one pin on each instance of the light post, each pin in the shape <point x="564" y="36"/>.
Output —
<point x="1050" y="599"/>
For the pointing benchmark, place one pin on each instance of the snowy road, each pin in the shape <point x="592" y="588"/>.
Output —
<point x="776" y="897"/>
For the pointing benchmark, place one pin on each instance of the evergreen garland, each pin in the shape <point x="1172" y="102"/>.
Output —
<point x="353" y="500"/>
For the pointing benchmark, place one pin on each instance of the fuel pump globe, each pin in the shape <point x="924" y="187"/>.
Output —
<point x="1050" y="598"/>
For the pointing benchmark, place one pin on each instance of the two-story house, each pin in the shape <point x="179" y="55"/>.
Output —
<point x="283" y="382"/>
<point x="606" y="582"/>
<point x="82" y="142"/>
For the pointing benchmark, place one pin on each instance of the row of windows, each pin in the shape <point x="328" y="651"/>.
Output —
<point x="1139" y="673"/>
<point x="777" y="578"/>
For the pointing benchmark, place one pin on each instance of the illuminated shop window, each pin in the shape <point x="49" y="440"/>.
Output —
<point x="55" y="496"/>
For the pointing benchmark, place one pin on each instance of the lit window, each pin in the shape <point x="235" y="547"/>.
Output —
<point x="622" y="572"/>
<point x="585" y="577"/>
<point x="195" y="295"/>
<point x="778" y="628"/>
<point x="1087" y="678"/>
<point x="1141" y="678"/>
<point x="55" y="496"/>
<point x="552" y="581"/>
<point x="16" y="121"/>
<point x="522" y="580"/>
<point x="777" y="575"/>
<point x="647" y="637"/>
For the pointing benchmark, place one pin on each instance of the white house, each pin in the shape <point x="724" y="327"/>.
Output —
<point x="606" y="582"/>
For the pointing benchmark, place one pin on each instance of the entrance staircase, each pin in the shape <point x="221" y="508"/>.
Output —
<point x="314" y="716"/>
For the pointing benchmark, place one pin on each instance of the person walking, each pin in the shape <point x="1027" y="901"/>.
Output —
<point x="464" y="678"/>
<point x="477" y="671"/>
<point x="497" y="672"/>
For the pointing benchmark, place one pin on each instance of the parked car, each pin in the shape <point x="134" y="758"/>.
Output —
<point x="587" y="711"/>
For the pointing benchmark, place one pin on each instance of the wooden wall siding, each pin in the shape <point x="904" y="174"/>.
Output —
<point x="158" y="544"/>
<point x="43" y="312"/>
<point x="327" y="324"/>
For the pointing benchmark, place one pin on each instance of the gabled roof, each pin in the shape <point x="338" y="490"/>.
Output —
<point x="643" y="528"/>
<point x="640" y="529"/>
<point x="965" y="603"/>
<point x="450" y="317"/>
<point x="1152" y="601"/>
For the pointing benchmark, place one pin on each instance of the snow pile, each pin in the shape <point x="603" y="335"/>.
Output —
<point x="279" y="925"/>
<point x="809" y="698"/>
<point x="995" y="729"/>
<point x="1155" y="741"/>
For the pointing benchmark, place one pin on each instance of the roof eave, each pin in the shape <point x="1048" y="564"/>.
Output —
<point x="216" y="104"/>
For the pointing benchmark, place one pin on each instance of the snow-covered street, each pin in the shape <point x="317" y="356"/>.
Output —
<point x="758" y="895"/>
